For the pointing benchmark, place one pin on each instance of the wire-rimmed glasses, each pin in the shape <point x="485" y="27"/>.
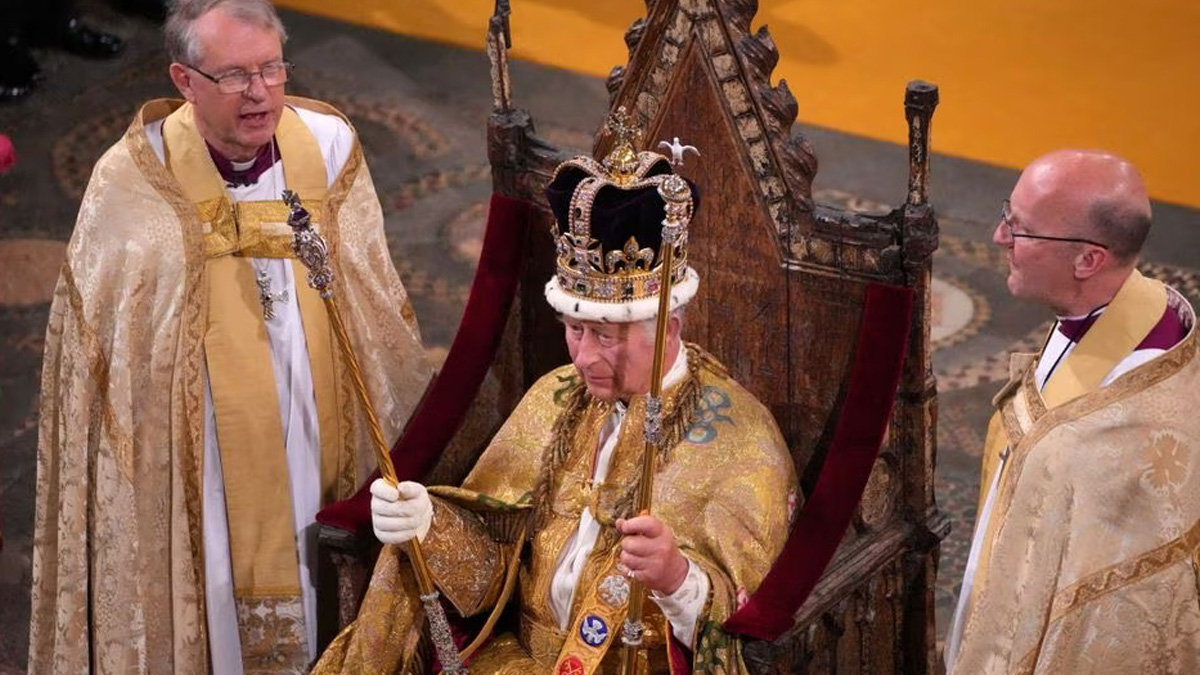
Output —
<point x="1006" y="218"/>
<point x="237" y="81"/>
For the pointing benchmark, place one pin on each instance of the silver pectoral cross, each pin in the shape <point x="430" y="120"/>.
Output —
<point x="266" y="297"/>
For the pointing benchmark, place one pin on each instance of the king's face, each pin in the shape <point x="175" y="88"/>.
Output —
<point x="614" y="359"/>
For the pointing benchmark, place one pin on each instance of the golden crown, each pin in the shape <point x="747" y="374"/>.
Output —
<point x="619" y="213"/>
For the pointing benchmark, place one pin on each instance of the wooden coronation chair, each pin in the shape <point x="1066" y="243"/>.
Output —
<point x="822" y="313"/>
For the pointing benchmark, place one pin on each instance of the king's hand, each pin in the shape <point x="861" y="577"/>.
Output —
<point x="649" y="552"/>
<point x="401" y="512"/>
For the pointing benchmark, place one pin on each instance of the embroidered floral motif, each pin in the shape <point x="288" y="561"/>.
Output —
<point x="274" y="639"/>
<point x="1165" y="462"/>
<point x="714" y="403"/>
<point x="567" y="383"/>
<point x="710" y="648"/>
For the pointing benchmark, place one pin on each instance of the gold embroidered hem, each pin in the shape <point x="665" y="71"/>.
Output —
<point x="1096" y="526"/>
<point x="273" y="633"/>
<point x="1126" y="573"/>
<point x="723" y="489"/>
<point x="118" y="562"/>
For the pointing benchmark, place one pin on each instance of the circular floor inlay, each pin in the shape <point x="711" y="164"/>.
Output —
<point x="465" y="232"/>
<point x="952" y="309"/>
<point x="30" y="270"/>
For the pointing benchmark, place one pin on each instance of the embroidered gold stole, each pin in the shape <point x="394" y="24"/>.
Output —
<point x="237" y="352"/>
<point x="601" y="601"/>
<point x="1095" y="532"/>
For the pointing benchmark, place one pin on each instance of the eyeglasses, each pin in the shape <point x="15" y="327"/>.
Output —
<point x="1006" y="218"/>
<point x="273" y="75"/>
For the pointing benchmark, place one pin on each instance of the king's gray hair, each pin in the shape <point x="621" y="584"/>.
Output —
<point x="183" y="45"/>
<point x="651" y="325"/>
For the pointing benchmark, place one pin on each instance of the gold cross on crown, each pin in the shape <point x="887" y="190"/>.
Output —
<point x="622" y="162"/>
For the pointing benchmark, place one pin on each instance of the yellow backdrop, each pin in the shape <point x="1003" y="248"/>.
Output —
<point x="1017" y="78"/>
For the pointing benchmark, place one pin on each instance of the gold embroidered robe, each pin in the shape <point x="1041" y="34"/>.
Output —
<point x="1094" y="553"/>
<point x="118" y="553"/>
<point x="723" y="489"/>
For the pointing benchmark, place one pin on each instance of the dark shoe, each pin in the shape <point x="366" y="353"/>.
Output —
<point x="80" y="39"/>
<point x="19" y="72"/>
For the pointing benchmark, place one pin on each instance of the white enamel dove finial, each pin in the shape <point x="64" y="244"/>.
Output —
<point x="678" y="149"/>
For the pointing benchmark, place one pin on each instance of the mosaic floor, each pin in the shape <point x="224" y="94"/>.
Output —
<point x="420" y="110"/>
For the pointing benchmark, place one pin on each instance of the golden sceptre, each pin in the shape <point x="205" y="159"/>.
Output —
<point x="312" y="250"/>
<point x="677" y="195"/>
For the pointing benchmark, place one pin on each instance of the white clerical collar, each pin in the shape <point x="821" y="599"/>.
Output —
<point x="673" y="377"/>
<point x="678" y="369"/>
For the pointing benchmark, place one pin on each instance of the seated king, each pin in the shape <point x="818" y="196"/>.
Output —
<point x="548" y="540"/>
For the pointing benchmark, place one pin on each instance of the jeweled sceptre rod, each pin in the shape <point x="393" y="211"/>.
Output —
<point x="676" y="193"/>
<point x="311" y="249"/>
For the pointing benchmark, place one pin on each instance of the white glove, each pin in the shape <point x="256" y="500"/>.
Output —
<point x="400" y="513"/>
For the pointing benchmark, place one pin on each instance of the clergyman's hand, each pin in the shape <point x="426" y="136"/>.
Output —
<point x="649" y="552"/>
<point x="400" y="513"/>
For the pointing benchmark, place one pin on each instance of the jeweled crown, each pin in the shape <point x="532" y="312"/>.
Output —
<point x="612" y="218"/>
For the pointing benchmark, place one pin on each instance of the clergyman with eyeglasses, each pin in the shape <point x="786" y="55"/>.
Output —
<point x="194" y="408"/>
<point x="1085" y="552"/>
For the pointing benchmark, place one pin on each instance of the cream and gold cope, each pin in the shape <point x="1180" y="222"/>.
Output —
<point x="1091" y="561"/>
<point x="723" y="486"/>
<point x="153" y="266"/>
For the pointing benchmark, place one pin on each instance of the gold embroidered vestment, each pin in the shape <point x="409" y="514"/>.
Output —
<point x="118" y="563"/>
<point x="1091" y="561"/>
<point x="723" y="489"/>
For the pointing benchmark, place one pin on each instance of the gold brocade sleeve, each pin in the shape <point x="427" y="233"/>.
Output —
<point x="471" y="523"/>
<point x="508" y="470"/>
<point x="1092" y="560"/>
<point x="467" y="564"/>
<point x="384" y="638"/>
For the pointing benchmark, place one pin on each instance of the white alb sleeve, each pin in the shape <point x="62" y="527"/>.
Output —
<point x="682" y="608"/>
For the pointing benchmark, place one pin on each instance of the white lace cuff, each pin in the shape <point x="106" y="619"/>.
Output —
<point x="682" y="608"/>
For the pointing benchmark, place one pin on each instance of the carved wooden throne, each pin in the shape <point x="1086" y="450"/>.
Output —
<point x="785" y="287"/>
